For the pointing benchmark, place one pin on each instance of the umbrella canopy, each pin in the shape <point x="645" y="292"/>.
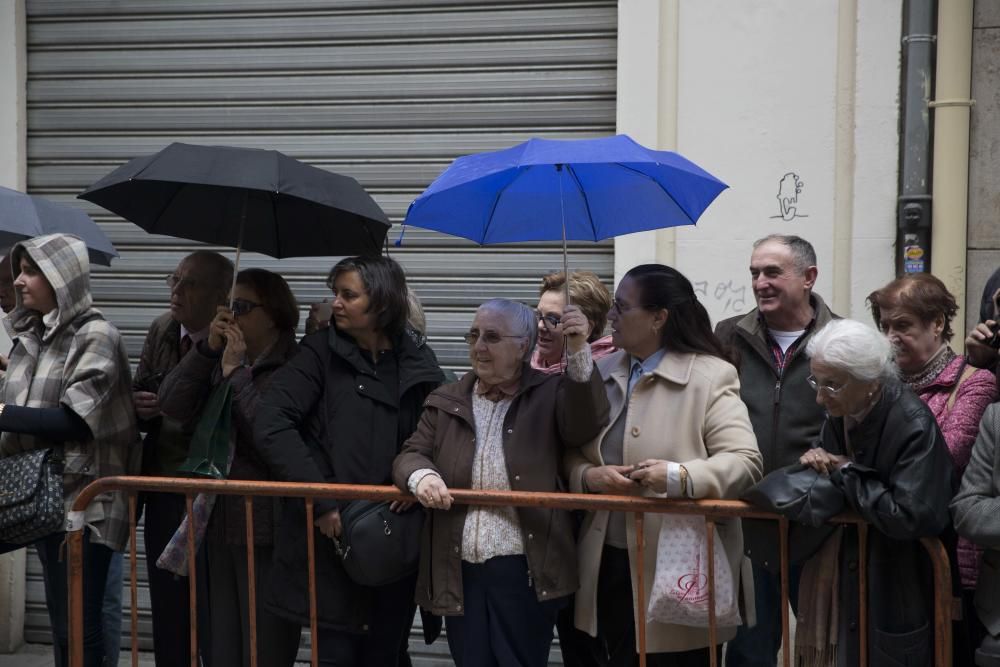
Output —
<point x="546" y="190"/>
<point x="26" y="216"/>
<point x="253" y="199"/>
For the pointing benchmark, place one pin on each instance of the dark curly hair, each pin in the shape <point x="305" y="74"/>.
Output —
<point x="688" y="328"/>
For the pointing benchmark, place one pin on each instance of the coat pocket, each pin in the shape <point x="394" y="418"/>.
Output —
<point x="905" y="649"/>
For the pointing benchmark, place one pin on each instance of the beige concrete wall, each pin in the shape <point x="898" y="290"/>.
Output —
<point x="12" y="175"/>
<point x="753" y="91"/>
<point x="984" y="155"/>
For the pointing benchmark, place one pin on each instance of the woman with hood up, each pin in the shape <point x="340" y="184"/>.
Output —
<point x="68" y="387"/>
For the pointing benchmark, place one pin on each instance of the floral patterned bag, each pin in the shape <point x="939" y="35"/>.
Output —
<point x="31" y="496"/>
<point x="680" y="585"/>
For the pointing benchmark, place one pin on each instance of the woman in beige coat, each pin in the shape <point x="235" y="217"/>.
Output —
<point x="678" y="430"/>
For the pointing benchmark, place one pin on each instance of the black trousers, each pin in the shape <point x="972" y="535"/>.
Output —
<point x="504" y="624"/>
<point x="384" y="645"/>
<point x="229" y="587"/>
<point x="758" y="646"/>
<point x="168" y="593"/>
<point x="615" y="645"/>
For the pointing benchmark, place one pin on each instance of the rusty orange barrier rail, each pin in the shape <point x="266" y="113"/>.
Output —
<point x="712" y="510"/>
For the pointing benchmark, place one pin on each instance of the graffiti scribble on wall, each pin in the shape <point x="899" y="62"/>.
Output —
<point x="789" y="188"/>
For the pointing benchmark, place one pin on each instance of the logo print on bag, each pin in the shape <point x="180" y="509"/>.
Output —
<point x="693" y="586"/>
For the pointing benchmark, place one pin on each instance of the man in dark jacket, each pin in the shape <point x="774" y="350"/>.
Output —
<point x="770" y="342"/>
<point x="198" y="285"/>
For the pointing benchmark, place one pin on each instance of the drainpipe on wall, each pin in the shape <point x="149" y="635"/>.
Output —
<point x="913" y="215"/>
<point x="952" y="111"/>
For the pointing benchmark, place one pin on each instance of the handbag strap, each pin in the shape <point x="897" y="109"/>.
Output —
<point x="967" y="372"/>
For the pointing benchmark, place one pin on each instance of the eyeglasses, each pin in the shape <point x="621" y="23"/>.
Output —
<point x="549" y="321"/>
<point x="243" y="307"/>
<point x="828" y="388"/>
<point x="489" y="337"/>
<point x="624" y="308"/>
<point x="176" y="282"/>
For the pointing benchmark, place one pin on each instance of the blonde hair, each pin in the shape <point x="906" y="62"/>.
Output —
<point x="587" y="292"/>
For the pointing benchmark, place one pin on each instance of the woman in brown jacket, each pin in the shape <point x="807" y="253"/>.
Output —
<point x="244" y="347"/>
<point x="499" y="574"/>
<point x="678" y="429"/>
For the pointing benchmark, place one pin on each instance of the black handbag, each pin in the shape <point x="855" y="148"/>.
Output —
<point x="799" y="493"/>
<point x="31" y="496"/>
<point x="378" y="546"/>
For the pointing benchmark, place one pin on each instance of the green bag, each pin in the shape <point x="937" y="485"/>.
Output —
<point x="208" y="455"/>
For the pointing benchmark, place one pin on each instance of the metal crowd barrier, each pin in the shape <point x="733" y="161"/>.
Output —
<point x="712" y="510"/>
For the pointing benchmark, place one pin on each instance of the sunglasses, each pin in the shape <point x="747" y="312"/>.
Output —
<point x="243" y="307"/>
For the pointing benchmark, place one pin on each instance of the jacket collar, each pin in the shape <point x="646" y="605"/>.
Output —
<point x="674" y="367"/>
<point x="457" y="396"/>
<point x="417" y="363"/>
<point x="753" y="324"/>
<point x="753" y="330"/>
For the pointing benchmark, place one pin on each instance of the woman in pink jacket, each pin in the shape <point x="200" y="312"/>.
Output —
<point x="915" y="313"/>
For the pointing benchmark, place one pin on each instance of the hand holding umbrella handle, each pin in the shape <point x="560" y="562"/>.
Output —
<point x="575" y="328"/>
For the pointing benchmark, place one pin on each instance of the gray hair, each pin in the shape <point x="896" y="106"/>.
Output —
<point x="521" y="318"/>
<point x="802" y="251"/>
<point x="855" y="348"/>
<point x="417" y="320"/>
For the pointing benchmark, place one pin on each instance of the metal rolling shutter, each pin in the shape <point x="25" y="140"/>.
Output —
<point x="388" y="91"/>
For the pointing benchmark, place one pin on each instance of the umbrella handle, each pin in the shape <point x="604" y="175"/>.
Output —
<point x="239" y="248"/>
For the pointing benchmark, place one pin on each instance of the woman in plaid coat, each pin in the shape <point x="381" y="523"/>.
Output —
<point x="68" y="387"/>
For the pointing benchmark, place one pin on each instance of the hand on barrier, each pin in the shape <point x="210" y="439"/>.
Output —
<point x="433" y="492"/>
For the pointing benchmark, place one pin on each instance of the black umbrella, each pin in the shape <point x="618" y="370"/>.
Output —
<point x="252" y="199"/>
<point x="26" y="216"/>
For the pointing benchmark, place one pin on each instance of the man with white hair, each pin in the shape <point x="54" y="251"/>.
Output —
<point x="770" y="342"/>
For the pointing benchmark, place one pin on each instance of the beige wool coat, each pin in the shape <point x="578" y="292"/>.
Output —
<point x="687" y="411"/>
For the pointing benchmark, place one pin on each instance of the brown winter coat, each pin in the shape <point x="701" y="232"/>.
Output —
<point x="547" y="412"/>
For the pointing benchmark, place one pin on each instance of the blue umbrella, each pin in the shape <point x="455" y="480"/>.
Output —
<point x="546" y="190"/>
<point x="26" y="216"/>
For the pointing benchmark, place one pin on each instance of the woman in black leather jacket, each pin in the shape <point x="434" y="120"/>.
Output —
<point x="881" y="447"/>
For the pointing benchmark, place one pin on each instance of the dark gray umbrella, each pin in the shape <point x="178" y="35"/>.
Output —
<point x="257" y="200"/>
<point x="26" y="216"/>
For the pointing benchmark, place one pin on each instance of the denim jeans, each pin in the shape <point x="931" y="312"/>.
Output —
<point x="112" y="610"/>
<point x="96" y="558"/>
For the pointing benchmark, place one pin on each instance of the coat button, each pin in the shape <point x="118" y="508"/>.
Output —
<point x="456" y="409"/>
<point x="458" y="607"/>
<point x="510" y="430"/>
<point x="361" y="387"/>
<point x="457" y="549"/>
<point x="531" y="536"/>
<point x="545" y="593"/>
<point x="852" y="625"/>
<point x="636" y="431"/>
<point x="517" y="478"/>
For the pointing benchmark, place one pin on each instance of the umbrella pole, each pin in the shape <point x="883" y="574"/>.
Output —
<point x="562" y="215"/>
<point x="239" y="247"/>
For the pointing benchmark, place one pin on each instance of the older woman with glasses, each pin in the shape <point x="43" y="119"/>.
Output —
<point x="500" y="574"/>
<point x="244" y="347"/>
<point x="588" y="293"/>
<point x="882" y="448"/>
<point x="678" y="429"/>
